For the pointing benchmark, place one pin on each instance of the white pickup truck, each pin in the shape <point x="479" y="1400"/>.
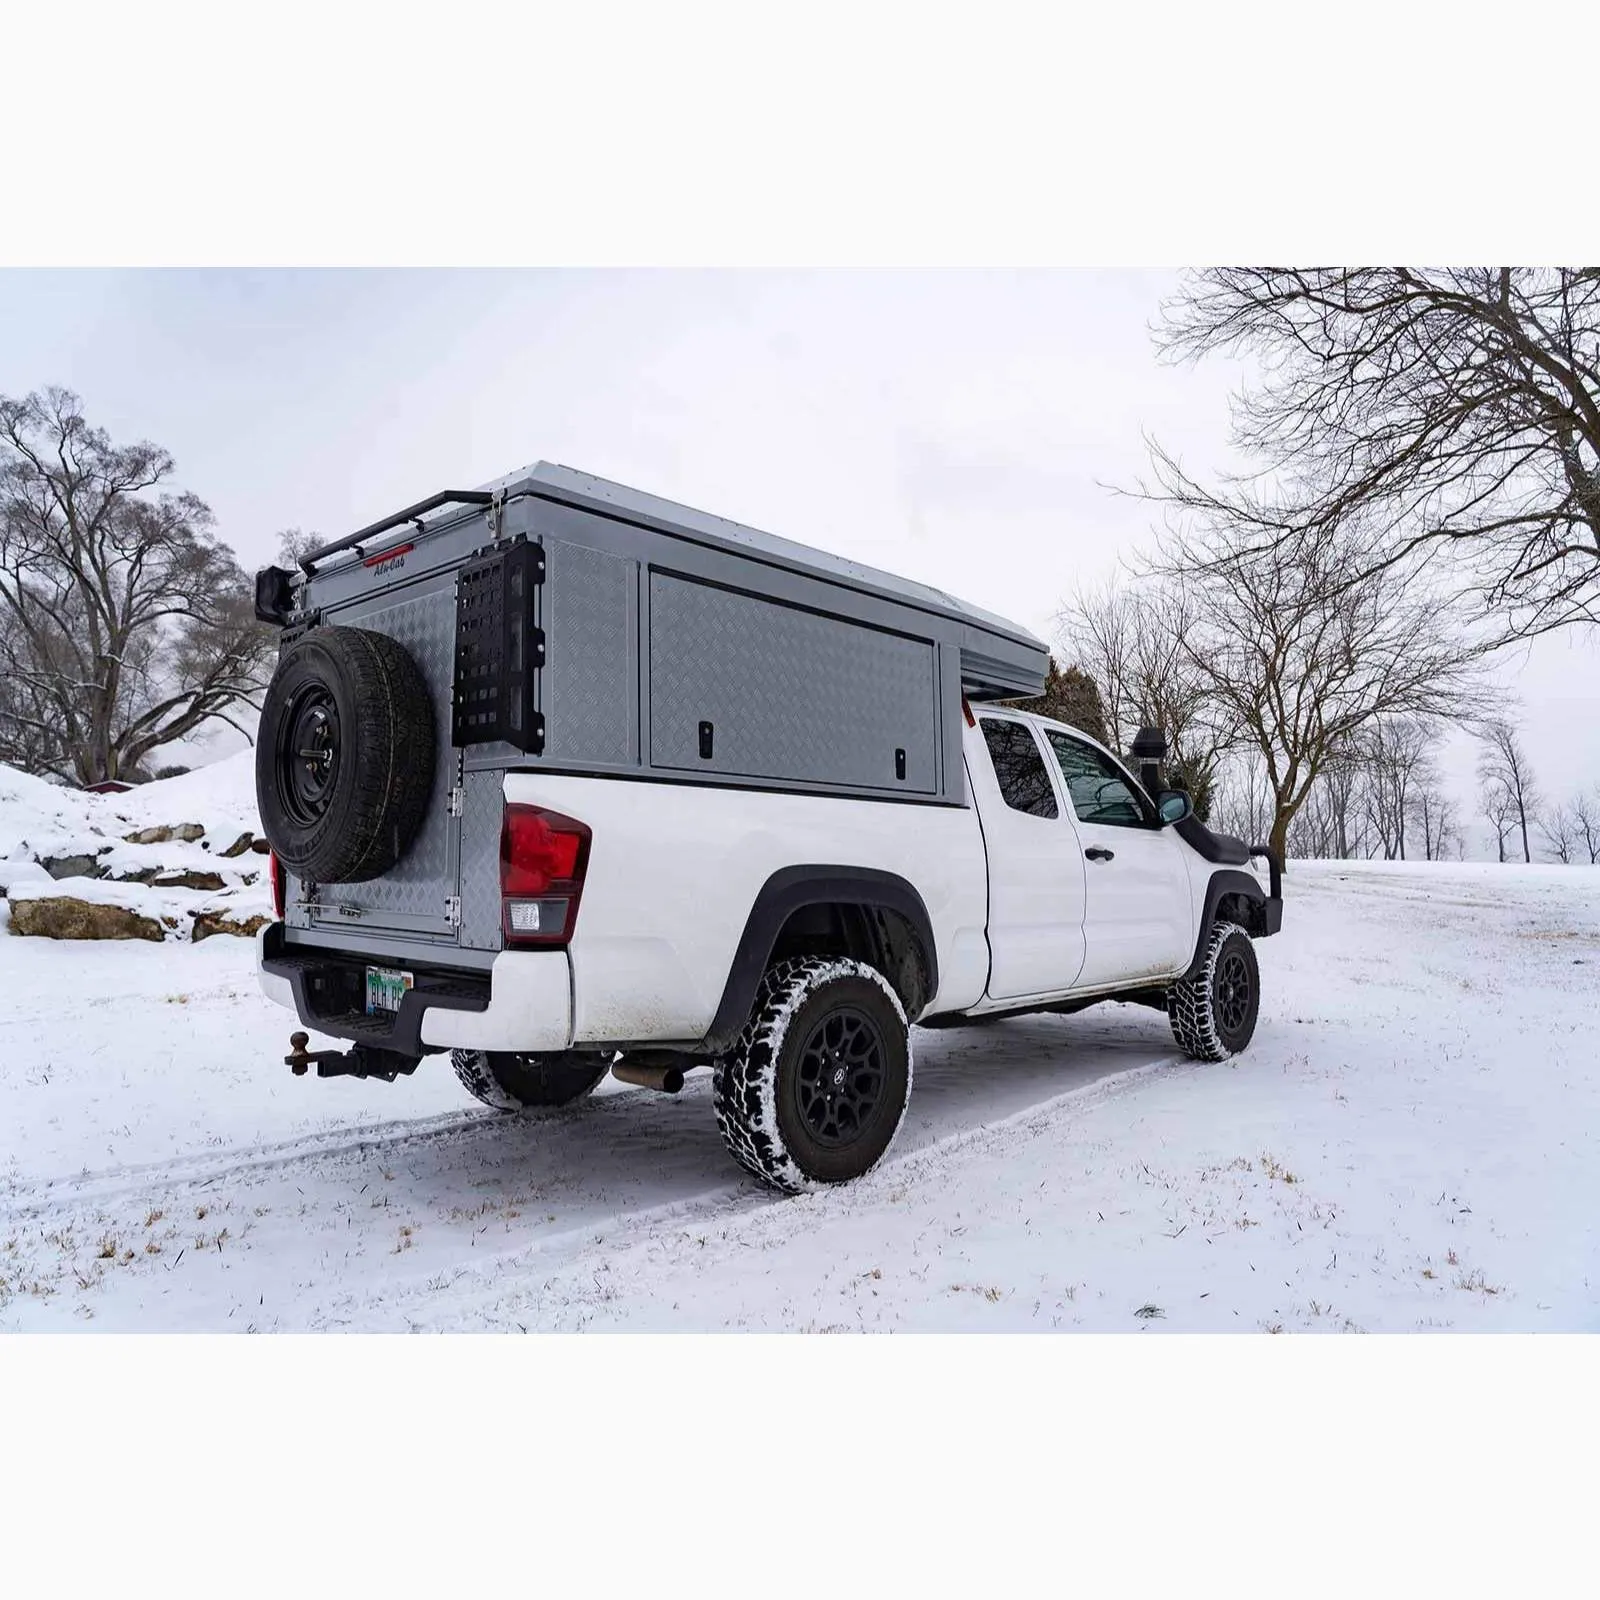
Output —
<point x="548" y="915"/>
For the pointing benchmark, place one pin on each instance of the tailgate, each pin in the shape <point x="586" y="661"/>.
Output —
<point x="419" y="899"/>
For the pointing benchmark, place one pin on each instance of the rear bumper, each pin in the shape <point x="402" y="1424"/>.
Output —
<point x="524" y="1002"/>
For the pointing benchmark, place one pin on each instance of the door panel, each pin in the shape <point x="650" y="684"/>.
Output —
<point x="1137" y="916"/>
<point x="1036" y="870"/>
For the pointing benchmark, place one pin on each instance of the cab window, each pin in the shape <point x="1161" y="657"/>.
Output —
<point x="1100" y="792"/>
<point x="1024" y="779"/>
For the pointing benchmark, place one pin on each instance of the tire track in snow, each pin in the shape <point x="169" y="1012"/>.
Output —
<point x="597" y="1171"/>
<point x="32" y="1199"/>
<point x="734" y="1203"/>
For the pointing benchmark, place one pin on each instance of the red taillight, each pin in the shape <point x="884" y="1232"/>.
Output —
<point x="543" y="857"/>
<point x="276" y="867"/>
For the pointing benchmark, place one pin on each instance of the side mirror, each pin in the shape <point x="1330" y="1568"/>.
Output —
<point x="274" y="596"/>
<point x="1174" y="805"/>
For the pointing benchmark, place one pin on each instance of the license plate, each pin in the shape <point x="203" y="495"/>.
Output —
<point x="385" y="986"/>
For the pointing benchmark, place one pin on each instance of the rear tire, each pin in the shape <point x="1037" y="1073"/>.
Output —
<point x="817" y="1086"/>
<point x="511" y="1082"/>
<point x="1213" y="1014"/>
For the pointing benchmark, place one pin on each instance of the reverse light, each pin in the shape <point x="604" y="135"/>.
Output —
<point x="276" y="868"/>
<point x="543" y="857"/>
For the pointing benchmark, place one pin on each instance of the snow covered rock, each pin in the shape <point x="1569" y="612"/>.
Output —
<point x="63" y="917"/>
<point x="188" y="832"/>
<point x="71" y="867"/>
<point x="125" y="857"/>
<point x="211" y="881"/>
<point x="207" y="923"/>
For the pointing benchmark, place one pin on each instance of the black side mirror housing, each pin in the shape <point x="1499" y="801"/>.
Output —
<point x="1174" y="805"/>
<point x="274" y="596"/>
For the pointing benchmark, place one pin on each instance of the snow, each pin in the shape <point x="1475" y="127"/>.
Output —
<point x="1408" y="1144"/>
<point x="41" y="821"/>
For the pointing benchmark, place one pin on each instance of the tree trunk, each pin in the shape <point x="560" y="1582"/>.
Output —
<point x="1279" y="838"/>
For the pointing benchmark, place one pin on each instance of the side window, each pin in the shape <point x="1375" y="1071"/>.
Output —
<point x="1100" y="793"/>
<point x="1024" y="779"/>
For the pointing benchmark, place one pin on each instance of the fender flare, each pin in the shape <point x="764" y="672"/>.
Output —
<point x="786" y="892"/>
<point x="1228" y="881"/>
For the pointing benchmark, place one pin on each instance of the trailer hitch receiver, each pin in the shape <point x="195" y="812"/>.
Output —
<point x="364" y="1061"/>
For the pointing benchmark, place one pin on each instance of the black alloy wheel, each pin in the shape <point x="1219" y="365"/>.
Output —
<point x="840" y="1077"/>
<point x="1234" y="989"/>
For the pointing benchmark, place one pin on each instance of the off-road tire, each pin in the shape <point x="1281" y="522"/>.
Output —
<point x="510" y="1082"/>
<point x="762" y="1100"/>
<point x="1212" y="1016"/>
<point x="359" y="699"/>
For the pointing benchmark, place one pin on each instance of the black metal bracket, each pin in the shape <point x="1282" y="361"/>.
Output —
<point x="499" y="648"/>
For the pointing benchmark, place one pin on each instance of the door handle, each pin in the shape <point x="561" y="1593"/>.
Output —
<point x="1095" y="853"/>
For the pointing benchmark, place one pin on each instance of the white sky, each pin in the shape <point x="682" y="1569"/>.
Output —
<point x="956" y="426"/>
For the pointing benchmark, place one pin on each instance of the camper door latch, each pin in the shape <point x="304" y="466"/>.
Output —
<point x="452" y="910"/>
<point x="457" y="800"/>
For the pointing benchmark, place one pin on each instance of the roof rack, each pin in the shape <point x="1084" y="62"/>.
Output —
<point x="354" y="541"/>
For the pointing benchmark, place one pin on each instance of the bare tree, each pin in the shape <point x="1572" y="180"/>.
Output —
<point x="1503" y="764"/>
<point x="1097" y="628"/>
<point x="1243" y="804"/>
<point x="1560" y="832"/>
<point x="1396" y="753"/>
<point x="1340" y="783"/>
<point x="1499" y="810"/>
<point x="294" y="546"/>
<point x="124" y="623"/>
<point x="1454" y="411"/>
<point x="1130" y="639"/>
<point x="1299" y="659"/>
<point x="1327" y="825"/>
<point x="1586" y="823"/>
<point x="1435" y="813"/>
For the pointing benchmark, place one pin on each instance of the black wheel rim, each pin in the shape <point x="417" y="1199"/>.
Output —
<point x="308" y="754"/>
<point x="1233" y="992"/>
<point x="841" y="1077"/>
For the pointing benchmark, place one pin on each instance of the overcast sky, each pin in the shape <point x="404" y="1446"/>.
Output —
<point x="958" y="427"/>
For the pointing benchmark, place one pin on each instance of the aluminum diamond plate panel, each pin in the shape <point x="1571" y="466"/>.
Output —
<point x="590" y="690"/>
<point x="788" y="694"/>
<point x="412" y="897"/>
<point x="483" y="808"/>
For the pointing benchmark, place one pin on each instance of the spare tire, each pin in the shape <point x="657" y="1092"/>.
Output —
<point x="345" y="756"/>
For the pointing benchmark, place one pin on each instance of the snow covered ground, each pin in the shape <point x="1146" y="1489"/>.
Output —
<point x="1409" y="1144"/>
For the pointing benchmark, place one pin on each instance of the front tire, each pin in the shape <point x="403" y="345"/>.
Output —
<point x="1213" y="1014"/>
<point x="513" y="1082"/>
<point x="817" y="1086"/>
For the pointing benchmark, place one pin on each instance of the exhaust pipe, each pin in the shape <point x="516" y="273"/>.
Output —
<point x="665" y="1080"/>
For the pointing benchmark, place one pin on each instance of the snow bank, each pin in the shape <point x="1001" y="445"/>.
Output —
<point x="89" y="840"/>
